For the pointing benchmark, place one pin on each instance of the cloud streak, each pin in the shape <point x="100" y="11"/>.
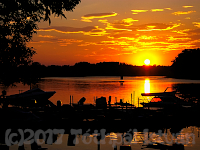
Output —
<point x="188" y="6"/>
<point x="157" y="27"/>
<point x="197" y="24"/>
<point x="138" y="11"/>
<point x="66" y="42"/>
<point x="89" y="17"/>
<point x="155" y="10"/>
<point x="46" y="36"/>
<point x="89" y="30"/>
<point x="183" y="12"/>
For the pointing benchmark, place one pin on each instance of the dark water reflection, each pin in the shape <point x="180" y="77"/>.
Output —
<point x="132" y="87"/>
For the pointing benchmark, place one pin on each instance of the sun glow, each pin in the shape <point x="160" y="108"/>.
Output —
<point x="147" y="61"/>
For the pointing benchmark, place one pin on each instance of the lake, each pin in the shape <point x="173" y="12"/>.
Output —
<point x="94" y="87"/>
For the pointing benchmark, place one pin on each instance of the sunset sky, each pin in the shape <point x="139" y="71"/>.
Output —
<point x="127" y="31"/>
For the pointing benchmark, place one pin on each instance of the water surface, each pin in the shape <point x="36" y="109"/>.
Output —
<point x="94" y="87"/>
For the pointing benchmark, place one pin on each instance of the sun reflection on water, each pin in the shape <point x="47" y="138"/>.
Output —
<point x="147" y="86"/>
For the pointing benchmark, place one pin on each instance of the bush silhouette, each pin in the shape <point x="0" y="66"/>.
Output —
<point x="186" y="64"/>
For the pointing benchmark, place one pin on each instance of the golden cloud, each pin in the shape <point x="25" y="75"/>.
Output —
<point x="110" y="37"/>
<point x="105" y="21"/>
<point x="187" y="18"/>
<point x="127" y="38"/>
<point x="123" y="25"/>
<point x="151" y="27"/>
<point x="183" y="12"/>
<point x="176" y="46"/>
<point x="62" y="42"/>
<point x="197" y="24"/>
<point x="181" y="31"/>
<point x="138" y="11"/>
<point x="193" y="32"/>
<point x="90" y="30"/>
<point x="46" y="36"/>
<point x="88" y="43"/>
<point x="187" y="6"/>
<point x="65" y="42"/>
<point x="154" y="10"/>
<point x="171" y="38"/>
<point x="89" y="17"/>
<point x="144" y="37"/>
<point x="195" y="41"/>
<point x="37" y="42"/>
<point x="96" y="32"/>
<point x="122" y="35"/>
<point x="111" y="27"/>
<point x="115" y="42"/>
<point x="157" y="27"/>
<point x="133" y="49"/>
<point x="64" y="29"/>
<point x="168" y="8"/>
<point x="129" y="21"/>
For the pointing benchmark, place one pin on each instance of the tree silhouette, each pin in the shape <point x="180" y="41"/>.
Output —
<point x="18" y="22"/>
<point x="186" y="64"/>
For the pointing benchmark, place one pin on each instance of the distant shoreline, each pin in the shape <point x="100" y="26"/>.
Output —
<point x="34" y="72"/>
<point x="53" y="77"/>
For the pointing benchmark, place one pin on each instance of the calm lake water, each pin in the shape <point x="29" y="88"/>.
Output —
<point x="93" y="87"/>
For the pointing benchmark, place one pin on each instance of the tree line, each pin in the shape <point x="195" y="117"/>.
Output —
<point x="82" y="69"/>
<point x="185" y="65"/>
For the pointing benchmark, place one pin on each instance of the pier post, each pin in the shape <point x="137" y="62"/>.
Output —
<point x="109" y="102"/>
<point x="21" y="147"/>
<point x="122" y="138"/>
<point x="98" y="138"/>
<point x="70" y="100"/>
<point x="131" y="98"/>
<point x="4" y="93"/>
<point x="115" y="147"/>
<point x="35" y="146"/>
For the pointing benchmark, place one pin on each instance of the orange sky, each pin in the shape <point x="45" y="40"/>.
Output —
<point x="127" y="31"/>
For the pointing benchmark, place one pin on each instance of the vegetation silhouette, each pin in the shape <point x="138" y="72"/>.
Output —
<point x="18" y="23"/>
<point x="82" y="69"/>
<point x="186" y="64"/>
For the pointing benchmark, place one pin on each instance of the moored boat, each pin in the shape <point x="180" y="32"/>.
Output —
<point x="165" y="100"/>
<point x="29" y="98"/>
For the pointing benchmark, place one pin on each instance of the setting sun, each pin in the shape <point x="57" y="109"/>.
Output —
<point x="147" y="61"/>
